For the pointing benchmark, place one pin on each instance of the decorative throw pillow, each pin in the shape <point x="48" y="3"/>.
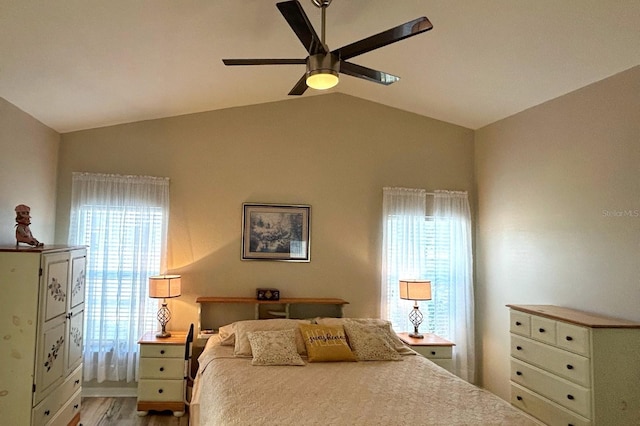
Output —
<point x="241" y="328"/>
<point x="370" y="342"/>
<point x="395" y="341"/>
<point x="326" y="343"/>
<point x="274" y="347"/>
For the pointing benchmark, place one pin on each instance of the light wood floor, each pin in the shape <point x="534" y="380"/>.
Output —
<point x="122" y="412"/>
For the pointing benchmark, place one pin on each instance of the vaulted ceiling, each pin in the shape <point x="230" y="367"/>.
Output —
<point x="77" y="64"/>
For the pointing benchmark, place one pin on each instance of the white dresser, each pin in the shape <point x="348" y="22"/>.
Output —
<point x="41" y="324"/>
<point x="573" y="368"/>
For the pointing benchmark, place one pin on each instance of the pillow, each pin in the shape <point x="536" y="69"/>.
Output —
<point x="395" y="341"/>
<point x="241" y="328"/>
<point x="326" y="343"/>
<point x="274" y="347"/>
<point x="370" y="342"/>
<point x="227" y="335"/>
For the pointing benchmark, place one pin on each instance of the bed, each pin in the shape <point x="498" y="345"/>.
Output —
<point x="230" y="389"/>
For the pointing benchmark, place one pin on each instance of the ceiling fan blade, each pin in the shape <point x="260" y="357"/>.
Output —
<point x="384" y="38"/>
<point x="300" y="87"/>
<point x="367" y="73"/>
<point x="229" y="62"/>
<point x="300" y="24"/>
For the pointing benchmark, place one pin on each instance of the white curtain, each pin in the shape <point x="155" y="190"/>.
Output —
<point x="123" y="221"/>
<point x="428" y="236"/>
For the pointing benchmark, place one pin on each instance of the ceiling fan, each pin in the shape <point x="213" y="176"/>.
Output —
<point x="324" y="65"/>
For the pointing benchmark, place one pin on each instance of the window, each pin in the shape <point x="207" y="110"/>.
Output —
<point x="434" y="246"/>
<point x="123" y="221"/>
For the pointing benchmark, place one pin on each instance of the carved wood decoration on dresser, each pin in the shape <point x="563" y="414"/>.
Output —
<point x="41" y="324"/>
<point x="570" y="367"/>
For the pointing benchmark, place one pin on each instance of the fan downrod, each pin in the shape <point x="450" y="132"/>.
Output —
<point x="321" y="3"/>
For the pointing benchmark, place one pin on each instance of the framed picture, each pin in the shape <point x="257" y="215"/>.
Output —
<point x="275" y="232"/>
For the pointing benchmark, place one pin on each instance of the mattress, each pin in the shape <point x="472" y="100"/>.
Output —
<point x="413" y="391"/>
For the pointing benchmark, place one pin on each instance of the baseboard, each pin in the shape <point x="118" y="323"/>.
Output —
<point x="109" y="392"/>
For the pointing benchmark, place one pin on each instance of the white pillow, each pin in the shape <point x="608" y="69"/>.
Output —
<point x="227" y="335"/>
<point x="274" y="347"/>
<point x="243" y="347"/>
<point x="369" y="342"/>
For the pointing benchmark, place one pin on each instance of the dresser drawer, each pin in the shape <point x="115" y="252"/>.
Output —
<point x="520" y="323"/>
<point x="568" y="394"/>
<point x="543" y="409"/>
<point x="160" y="390"/>
<point x="161" y="351"/>
<point x="70" y="409"/>
<point x="47" y="408"/>
<point x="161" y="368"/>
<point x="543" y="329"/>
<point x="573" y="367"/>
<point x="573" y="338"/>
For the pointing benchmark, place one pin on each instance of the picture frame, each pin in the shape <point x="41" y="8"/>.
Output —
<point x="276" y="232"/>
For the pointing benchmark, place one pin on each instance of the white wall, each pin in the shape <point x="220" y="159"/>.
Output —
<point x="28" y="166"/>
<point x="558" y="190"/>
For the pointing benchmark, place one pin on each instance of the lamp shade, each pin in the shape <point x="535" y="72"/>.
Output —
<point x="164" y="286"/>
<point x="415" y="289"/>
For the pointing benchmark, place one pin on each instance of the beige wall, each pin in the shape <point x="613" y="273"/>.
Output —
<point x="334" y="152"/>
<point x="28" y="167"/>
<point x="558" y="192"/>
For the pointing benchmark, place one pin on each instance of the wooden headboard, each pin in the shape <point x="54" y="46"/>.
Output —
<point x="215" y="312"/>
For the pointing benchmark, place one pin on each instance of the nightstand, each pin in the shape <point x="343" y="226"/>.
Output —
<point x="433" y="347"/>
<point x="161" y="386"/>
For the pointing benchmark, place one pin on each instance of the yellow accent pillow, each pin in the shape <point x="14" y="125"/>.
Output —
<point x="326" y="343"/>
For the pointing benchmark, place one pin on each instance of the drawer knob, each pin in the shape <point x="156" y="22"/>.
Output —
<point x="569" y="367"/>
<point x="569" y="338"/>
<point x="162" y="352"/>
<point x="433" y="352"/>
<point x="518" y="348"/>
<point x="570" y="397"/>
<point x="518" y="323"/>
<point x="519" y="398"/>
<point x="541" y="330"/>
<point x="161" y="368"/>
<point x="160" y="391"/>
<point x="518" y="373"/>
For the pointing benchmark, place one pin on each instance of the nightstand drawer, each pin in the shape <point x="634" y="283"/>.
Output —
<point x="161" y="368"/>
<point x="563" y="363"/>
<point x="161" y="351"/>
<point x="434" y="352"/>
<point x="568" y="394"/>
<point x="160" y="390"/>
<point x="543" y="409"/>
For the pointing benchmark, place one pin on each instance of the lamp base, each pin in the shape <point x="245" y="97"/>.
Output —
<point x="416" y="335"/>
<point x="163" y="334"/>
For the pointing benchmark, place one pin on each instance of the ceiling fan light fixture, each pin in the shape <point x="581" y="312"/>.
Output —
<point x="322" y="80"/>
<point x="322" y="71"/>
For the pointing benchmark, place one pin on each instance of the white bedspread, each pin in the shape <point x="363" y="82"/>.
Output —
<point x="414" y="391"/>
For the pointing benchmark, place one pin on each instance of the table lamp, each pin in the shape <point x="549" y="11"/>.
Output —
<point x="415" y="290"/>
<point x="164" y="287"/>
